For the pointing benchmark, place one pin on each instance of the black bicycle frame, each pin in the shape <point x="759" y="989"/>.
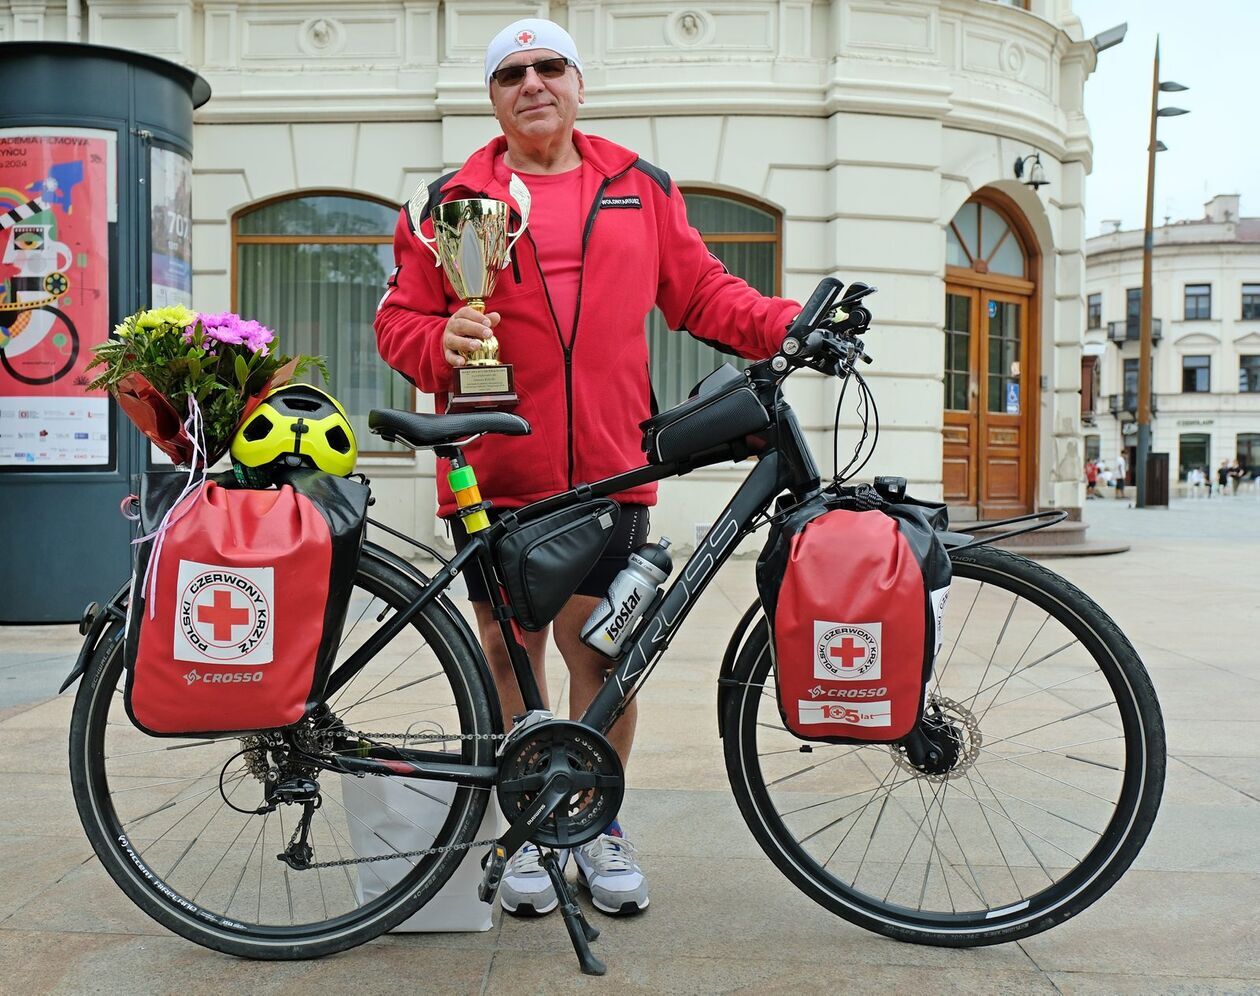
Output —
<point x="785" y="464"/>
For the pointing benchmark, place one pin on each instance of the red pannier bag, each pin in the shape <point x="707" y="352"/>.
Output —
<point x="238" y="625"/>
<point x="855" y="601"/>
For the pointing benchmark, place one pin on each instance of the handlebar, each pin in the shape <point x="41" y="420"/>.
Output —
<point x="817" y="338"/>
<point x="817" y="305"/>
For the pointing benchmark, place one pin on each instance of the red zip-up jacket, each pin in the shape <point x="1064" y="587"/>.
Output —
<point x="585" y="389"/>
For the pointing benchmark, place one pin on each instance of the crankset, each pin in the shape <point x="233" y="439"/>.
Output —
<point x="594" y="778"/>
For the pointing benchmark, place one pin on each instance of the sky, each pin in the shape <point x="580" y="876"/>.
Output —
<point x="1209" y="46"/>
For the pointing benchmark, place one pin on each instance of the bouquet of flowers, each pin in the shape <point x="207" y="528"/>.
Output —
<point x="166" y="365"/>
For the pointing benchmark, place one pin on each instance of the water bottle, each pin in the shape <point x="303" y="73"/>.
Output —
<point x="632" y="591"/>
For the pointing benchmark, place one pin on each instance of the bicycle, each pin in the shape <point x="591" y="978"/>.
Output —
<point x="1039" y="782"/>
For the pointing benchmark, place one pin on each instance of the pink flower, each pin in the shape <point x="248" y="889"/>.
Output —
<point x="231" y="329"/>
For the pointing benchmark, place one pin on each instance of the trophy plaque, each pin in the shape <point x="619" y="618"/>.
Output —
<point x="472" y="244"/>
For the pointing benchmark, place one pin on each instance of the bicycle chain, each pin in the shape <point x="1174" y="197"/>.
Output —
<point x="422" y="852"/>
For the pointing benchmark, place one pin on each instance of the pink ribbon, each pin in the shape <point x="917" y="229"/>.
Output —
<point x="197" y="471"/>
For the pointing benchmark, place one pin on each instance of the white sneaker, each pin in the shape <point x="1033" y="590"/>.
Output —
<point x="526" y="889"/>
<point x="607" y="867"/>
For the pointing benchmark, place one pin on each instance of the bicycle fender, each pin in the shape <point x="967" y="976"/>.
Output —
<point x="115" y="608"/>
<point x="729" y="658"/>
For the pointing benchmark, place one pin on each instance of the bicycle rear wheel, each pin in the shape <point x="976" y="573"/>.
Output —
<point x="1058" y="778"/>
<point x="164" y="815"/>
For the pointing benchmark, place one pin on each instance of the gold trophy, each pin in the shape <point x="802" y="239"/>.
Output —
<point x="472" y="244"/>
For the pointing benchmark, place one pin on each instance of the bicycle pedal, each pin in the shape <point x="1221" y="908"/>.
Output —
<point x="494" y="864"/>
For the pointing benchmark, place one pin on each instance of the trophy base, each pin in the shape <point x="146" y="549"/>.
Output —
<point x="481" y="403"/>
<point x="483" y="387"/>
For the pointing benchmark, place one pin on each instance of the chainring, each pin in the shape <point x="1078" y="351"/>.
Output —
<point x="587" y="756"/>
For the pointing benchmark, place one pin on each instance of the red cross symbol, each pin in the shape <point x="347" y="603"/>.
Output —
<point x="848" y="652"/>
<point x="222" y="616"/>
<point x="524" y="37"/>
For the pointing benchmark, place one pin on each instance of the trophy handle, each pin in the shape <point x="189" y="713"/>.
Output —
<point x="520" y="193"/>
<point x="415" y="208"/>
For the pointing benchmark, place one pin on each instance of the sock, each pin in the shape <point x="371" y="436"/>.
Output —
<point x="614" y="829"/>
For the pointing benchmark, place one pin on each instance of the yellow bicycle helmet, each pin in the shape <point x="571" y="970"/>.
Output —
<point x="298" y="425"/>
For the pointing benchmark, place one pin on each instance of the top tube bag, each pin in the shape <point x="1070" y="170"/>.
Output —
<point x="238" y="625"/>
<point x="855" y="601"/>
<point x="722" y="408"/>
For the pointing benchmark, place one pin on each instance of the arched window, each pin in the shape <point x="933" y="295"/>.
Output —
<point x="747" y="238"/>
<point x="313" y="267"/>
<point x="980" y="239"/>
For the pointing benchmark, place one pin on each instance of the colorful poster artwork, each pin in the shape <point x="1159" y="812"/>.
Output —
<point x="55" y="207"/>
<point x="170" y="192"/>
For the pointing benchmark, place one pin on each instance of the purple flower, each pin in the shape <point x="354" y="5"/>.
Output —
<point x="231" y="329"/>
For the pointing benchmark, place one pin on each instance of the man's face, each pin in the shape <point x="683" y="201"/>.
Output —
<point x="536" y="108"/>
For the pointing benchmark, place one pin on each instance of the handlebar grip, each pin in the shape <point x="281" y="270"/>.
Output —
<point x="824" y="294"/>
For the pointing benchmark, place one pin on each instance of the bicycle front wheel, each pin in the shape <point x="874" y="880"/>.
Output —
<point x="175" y="822"/>
<point x="1059" y="770"/>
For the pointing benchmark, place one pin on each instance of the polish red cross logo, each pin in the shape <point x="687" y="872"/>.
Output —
<point x="848" y="652"/>
<point x="223" y="616"/>
<point x="524" y="38"/>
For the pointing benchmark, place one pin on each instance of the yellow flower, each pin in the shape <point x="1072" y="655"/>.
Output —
<point x="176" y="315"/>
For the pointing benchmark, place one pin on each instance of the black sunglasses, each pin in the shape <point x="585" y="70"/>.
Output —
<point x="548" y="69"/>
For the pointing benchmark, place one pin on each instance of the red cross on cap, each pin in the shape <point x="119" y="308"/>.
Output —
<point x="524" y="37"/>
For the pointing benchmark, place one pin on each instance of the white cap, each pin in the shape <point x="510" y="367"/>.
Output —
<point x="527" y="34"/>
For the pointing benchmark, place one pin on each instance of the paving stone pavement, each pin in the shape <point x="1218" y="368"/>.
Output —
<point x="1184" y="919"/>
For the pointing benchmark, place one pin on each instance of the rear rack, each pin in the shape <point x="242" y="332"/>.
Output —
<point x="956" y="539"/>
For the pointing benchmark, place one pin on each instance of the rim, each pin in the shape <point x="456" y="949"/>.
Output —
<point x="1039" y="815"/>
<point x="160" y="803"/>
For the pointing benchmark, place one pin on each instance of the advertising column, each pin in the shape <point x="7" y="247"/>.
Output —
<point x="57" y="199"/>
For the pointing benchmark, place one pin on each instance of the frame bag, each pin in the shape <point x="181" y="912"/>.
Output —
<point x="238" y="625"/>
<point x="543" y="562"/>
<point x="855" y="601"/>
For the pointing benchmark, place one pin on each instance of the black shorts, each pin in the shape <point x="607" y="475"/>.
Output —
<point x="630" y="533"/>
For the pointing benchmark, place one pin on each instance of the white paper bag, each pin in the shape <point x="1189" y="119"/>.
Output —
<point x="385" y="815"/>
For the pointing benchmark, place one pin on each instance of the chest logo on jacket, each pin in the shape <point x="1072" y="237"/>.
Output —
<point x="621" y="202"/>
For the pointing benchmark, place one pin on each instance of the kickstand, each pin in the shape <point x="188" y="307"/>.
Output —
<point x="581" y="933"/>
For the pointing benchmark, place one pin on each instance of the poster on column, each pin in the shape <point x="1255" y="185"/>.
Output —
<point x="170" y="197"/>
<point x="57" y="198"/>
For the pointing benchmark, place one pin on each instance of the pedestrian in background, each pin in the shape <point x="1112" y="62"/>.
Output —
<point x="1236" y="474"/>
<point x="1091" y="479"/>
<point x="1122" y="468"/>
<point x="1194" y="478"/>
<point x="1222" y="477"/>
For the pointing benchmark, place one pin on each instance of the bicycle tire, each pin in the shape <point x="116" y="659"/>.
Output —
<point x="135" y="865"/>
<point x="749" y="713"/>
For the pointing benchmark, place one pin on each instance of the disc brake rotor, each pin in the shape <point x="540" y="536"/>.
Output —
<point x="946" y="719"/>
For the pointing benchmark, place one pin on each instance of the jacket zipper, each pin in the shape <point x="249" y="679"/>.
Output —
<point x="577" y="312"/>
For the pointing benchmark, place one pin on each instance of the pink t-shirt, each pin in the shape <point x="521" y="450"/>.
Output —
<point x="555" y="223"/>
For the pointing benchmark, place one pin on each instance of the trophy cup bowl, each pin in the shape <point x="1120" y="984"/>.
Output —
<point x="472" y="243"/>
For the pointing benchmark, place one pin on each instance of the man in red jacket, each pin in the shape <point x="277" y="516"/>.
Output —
<point x="607" y="240"/>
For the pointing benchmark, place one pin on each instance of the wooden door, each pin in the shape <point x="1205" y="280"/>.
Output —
<point x="962" y="391"/>
<point x="988" y="402"/>
<point x="1005" y="401"/>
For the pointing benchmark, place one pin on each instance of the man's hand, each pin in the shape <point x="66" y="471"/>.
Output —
<point x="465" y="332"/>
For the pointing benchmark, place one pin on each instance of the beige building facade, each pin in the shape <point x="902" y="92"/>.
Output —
<point x="870" y="140"/>
<point x="1205" y="309"/>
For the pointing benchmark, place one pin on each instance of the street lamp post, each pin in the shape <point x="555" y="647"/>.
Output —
<point x="1144" y="362"/>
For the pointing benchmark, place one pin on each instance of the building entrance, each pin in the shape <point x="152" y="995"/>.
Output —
<point x="991" y="380"/>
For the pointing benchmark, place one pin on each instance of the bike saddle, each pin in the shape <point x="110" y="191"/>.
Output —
<point x="420" y="429"/>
